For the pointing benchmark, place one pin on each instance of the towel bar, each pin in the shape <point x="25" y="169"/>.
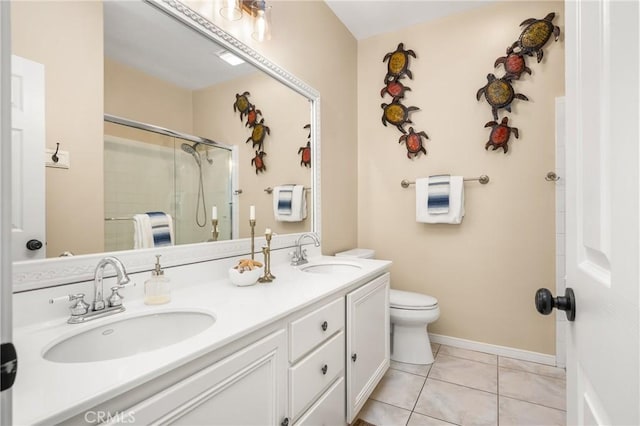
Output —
<point x="269" y="189"/>
<point x="483" y="179"/>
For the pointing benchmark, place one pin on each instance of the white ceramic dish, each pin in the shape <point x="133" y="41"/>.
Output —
<point x="245" y="278"/>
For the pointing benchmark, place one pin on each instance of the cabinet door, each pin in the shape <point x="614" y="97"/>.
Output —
<point x="367" y="341"/>
<point x="246" y="388"/>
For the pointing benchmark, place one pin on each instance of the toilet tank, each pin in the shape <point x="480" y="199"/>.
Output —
<point x="358" y="252"/>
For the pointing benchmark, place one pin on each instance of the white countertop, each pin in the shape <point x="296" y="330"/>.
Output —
<point x="50" y="392"/>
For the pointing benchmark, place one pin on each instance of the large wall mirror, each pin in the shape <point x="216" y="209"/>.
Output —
<point x="139" y="103"/>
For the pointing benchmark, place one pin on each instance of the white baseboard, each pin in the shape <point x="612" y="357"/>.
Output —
<point x="505" y="351"/>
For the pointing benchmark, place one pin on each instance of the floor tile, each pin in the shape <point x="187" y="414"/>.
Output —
<point x="467" y="354"/>
<point x="458" y="404"/>
<point x="535" y="388"/>
<point x="514" y="412"/>
<point x="381" y="414"/>
<point x="399" y="388"/>
<point x="419" y="369"/>
<point x="465" y="372"/>
<point x="434" y="348"/>
<point x="420" y="420"/>
<point x="532" y="367"/>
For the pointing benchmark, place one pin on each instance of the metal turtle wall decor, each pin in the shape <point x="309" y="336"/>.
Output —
<point x="413" y="142"/>
<point x="259" y="130"/>
<point x="305" y="151"/>
<point x="500" y="134"/>
<point x="258" y="162"/>
<point x="398" y="63"/>
<point x="500" y="92"/>
<point x="535" y="35"/>
<point x="396" y="113"/>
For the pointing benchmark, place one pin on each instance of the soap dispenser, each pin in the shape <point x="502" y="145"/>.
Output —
<point x="156" y="288"/>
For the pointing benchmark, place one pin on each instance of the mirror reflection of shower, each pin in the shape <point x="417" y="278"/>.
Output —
<point x="192" y="149"/>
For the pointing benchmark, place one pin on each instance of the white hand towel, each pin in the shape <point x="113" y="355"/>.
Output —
<point x="456" y="202"/>
<point x="289" y="203"/>
<point x="152" y="229"/>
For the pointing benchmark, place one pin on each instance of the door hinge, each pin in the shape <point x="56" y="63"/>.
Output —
<point x="9" y="365"/>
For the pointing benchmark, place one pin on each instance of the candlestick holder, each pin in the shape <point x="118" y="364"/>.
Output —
<point x="252" y="224"/>
<point x="214" y="230"/>
<point x="266" y="251"/>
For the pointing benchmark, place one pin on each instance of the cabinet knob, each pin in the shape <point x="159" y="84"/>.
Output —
<point x="324" y="326"/>
<point x="285" y="422"/>
<point x="354" y="357"/>
<point x="324" y="369"/>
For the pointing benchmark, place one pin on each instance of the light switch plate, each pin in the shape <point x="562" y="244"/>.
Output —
<point x="63" y="159"/>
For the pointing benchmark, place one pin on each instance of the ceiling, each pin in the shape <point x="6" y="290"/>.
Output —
<point x="144" y="38"/>
<point x="366" y="18"/>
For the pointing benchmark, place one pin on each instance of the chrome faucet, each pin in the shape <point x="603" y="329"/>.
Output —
<point x="123" y="279"/>
<point x="299" y="257"/>
<point x="82" y="311"/>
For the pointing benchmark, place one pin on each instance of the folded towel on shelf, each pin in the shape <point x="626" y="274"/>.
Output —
<point x="456" y="202"/>
<point x="438" y="192"/>
<point x="289" y="203"/>
<point x="152" y="229"/>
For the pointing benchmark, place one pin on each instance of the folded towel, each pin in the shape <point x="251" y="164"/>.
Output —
<point x="289" y="203"/>
<point x="456" y="202"/>
<point x="152" y="229"/>
<point x="438" y="194"/>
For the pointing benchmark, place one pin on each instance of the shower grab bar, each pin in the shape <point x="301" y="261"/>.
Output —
<point x="269" y="189"/>
<point x="483" y="179"/>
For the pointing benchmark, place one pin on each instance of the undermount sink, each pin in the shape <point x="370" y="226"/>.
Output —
<point x="129" y="336"/>
<point x="330" y="267"/>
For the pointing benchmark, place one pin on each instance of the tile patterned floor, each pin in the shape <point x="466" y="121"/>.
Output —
<point x="464" y="387"/>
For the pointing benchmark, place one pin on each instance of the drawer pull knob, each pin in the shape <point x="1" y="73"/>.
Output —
<point x="324" y="326"/>
<point x="285" y="422"/>
<point x="324" y="369"/>
<point x="354" y="357"/>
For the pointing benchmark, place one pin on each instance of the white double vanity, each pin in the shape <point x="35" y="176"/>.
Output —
<point x="307" y="348"/>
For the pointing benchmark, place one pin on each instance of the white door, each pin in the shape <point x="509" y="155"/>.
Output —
<point x="602" y="91"/>
<point x="27" y="151"/>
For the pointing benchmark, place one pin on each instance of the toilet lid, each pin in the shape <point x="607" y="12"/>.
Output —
<point x="409" y="300"/>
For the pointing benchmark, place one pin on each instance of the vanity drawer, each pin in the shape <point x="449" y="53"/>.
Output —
<point x="329" y="410"/>
<point x="312" y="375"/>
<point x="309" y="331"/>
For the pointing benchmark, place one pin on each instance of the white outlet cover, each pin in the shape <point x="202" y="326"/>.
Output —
<point x="63" y="159"/>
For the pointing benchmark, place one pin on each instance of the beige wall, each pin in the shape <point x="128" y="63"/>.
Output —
<point x="140" y="97"/>
<point x="285" y="113"/>
<point x="311" y="43"/>
<point x="485" y="271"/>
<point x="67" y="38"/>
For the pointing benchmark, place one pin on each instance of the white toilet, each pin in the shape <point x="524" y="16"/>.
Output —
<point x="410" y="314"/>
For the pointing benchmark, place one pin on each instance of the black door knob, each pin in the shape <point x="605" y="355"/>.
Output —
<point x="545" y="302"/>
<point x="34" y="245"/>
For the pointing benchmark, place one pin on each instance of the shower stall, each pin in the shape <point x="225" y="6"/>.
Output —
<point x="148" y="168"/>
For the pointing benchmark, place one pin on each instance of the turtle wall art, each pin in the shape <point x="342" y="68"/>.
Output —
<point x="500" y="92"/>
<point x="305" y="151"/>
<point x="396" y="113"/>
<point x="259" y="130"/>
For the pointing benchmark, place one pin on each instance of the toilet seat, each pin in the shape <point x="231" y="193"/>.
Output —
<point x="408" y="300"/>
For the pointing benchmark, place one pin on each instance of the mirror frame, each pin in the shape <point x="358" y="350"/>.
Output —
<point x="36" y="274"/>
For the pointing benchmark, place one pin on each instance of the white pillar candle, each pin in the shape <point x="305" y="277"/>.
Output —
<point x="267" y="231"/>
<point x="214" y="213"/>
<point x="252" y="213"/>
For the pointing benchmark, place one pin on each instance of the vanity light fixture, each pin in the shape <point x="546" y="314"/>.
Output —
<point x="232" y="10"/>
<point x="259" y="11"/>
<point x="230" y="58"/>
<point x="261" y="21"/>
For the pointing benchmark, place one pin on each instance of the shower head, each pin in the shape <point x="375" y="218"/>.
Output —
<point x="192" y="150"/>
